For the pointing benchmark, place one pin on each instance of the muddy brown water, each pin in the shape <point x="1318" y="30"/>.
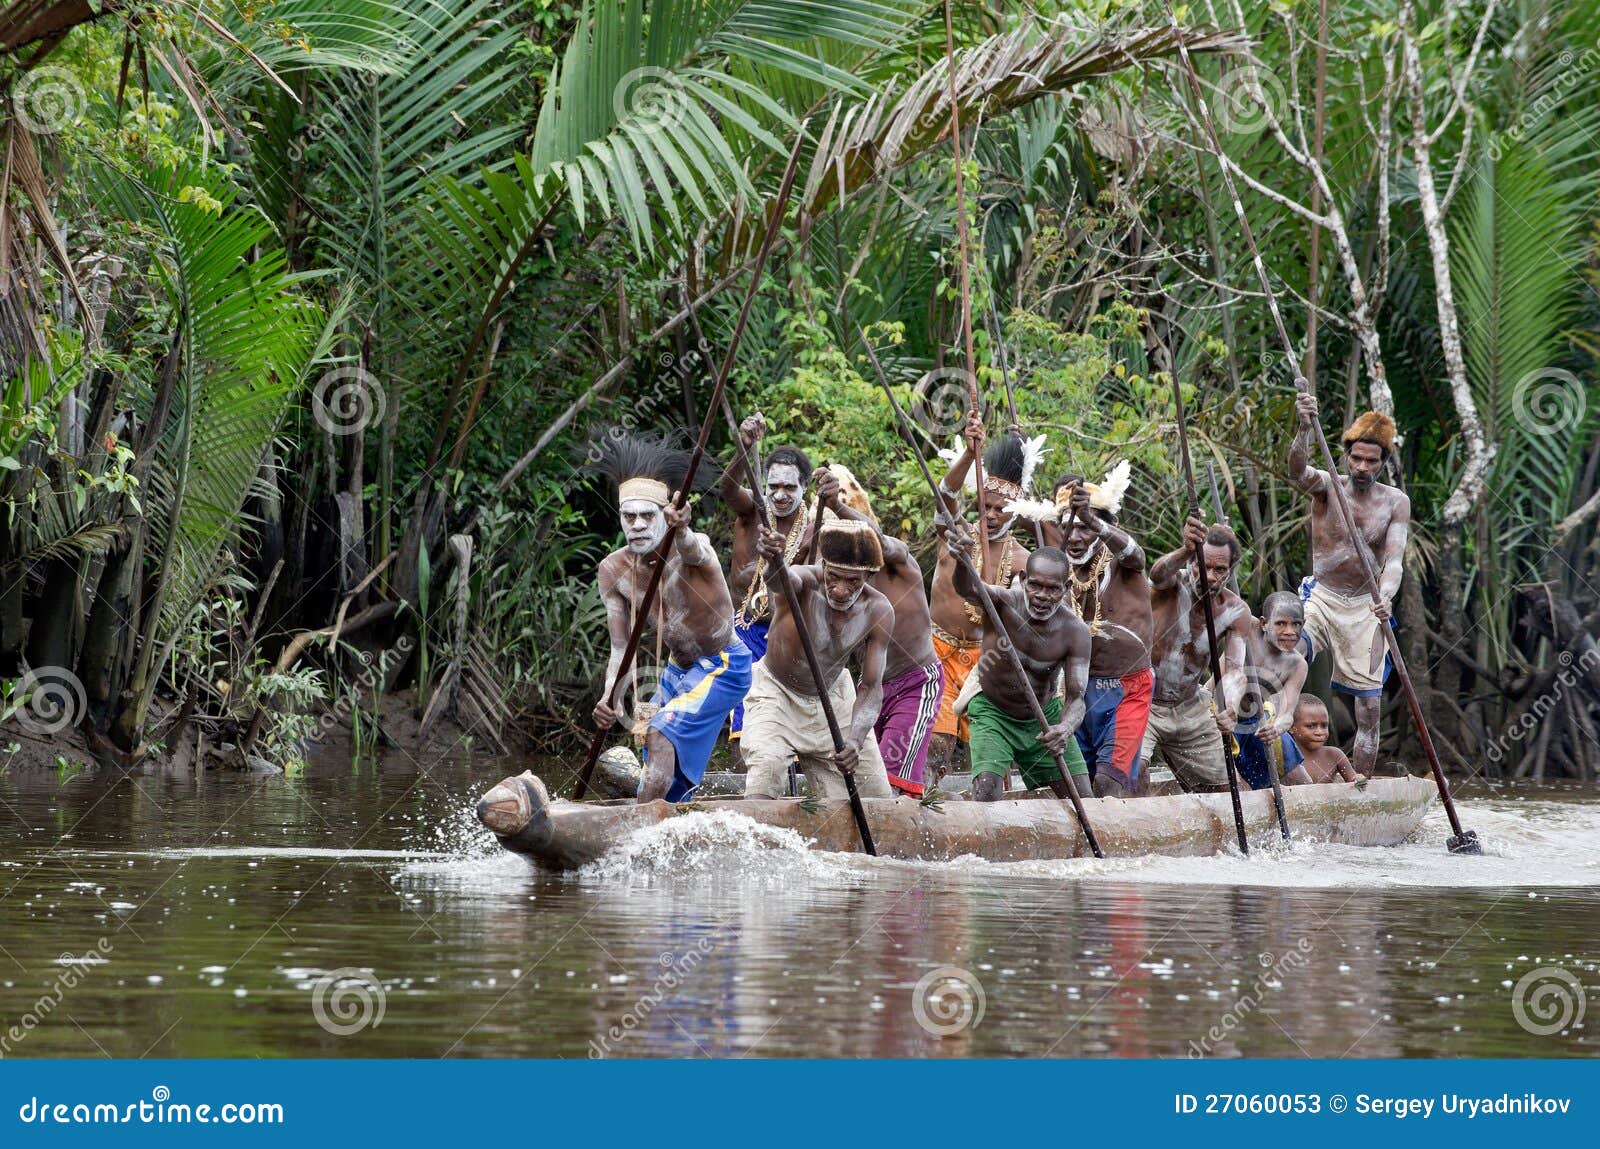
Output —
<point x="361" y="912"/>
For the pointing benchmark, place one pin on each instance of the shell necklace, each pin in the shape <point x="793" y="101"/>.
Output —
<point x="756" y="604"/>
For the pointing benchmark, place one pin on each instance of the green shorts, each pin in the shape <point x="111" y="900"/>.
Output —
<point x="998" y="740"/>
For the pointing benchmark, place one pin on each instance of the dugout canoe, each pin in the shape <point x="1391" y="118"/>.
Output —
<point x="563" y="835"/>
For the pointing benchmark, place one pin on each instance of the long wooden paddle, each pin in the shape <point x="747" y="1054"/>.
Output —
<point x="719" y="387"/>
<point x="792" y="600"/>
<point x="1011" y="396"/>
<point x="990" y="612"/>
<point x="1211" y="622"/>
<point x="1462" y="841"/>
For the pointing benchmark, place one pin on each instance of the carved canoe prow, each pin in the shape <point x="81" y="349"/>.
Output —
<point x="564" y="835"/>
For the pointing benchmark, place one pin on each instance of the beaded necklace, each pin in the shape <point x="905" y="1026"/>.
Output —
<point x="756" y="604"/>
<point x="1090" y="587"/>
<point x="975" y="615"/>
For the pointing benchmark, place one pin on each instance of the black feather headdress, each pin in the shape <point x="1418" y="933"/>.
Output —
<point x="642" y="465"/>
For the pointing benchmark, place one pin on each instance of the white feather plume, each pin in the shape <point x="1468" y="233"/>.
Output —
<point x="1035" y="509"/>
<point x="1115" y="485"/>
<point x="1032" y="451"/>
<point x="951" y="454"/>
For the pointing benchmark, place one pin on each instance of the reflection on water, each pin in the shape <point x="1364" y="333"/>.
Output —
<point x="365" y="914"/>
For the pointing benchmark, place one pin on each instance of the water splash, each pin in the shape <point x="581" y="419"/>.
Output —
<point x="719" y="842"/>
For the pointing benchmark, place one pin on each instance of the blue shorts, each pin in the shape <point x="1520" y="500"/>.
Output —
<point x="1253" y="765"/>
<point x="695" y="702"/>
<point x="1117" y="710"/>
<point x="754" y="638"/>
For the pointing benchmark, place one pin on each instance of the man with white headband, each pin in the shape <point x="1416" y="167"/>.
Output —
<point x="957" y="623"/>
<point x="844" y="617"/>
<point x="708" y="671"/>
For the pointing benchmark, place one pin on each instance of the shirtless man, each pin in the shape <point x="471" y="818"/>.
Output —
<point x="844" y="616"/>
<point x="913" y="679"/>
<point x="957" y="623"/>
<point x="1323" y="763"/>
<point x="1050" y="640"/>
<point x="788" y="470"/>
<point x="1273" y="681"/>
<point x="1111" y="592"/>
<point x="1340" y="614"/>
<point x="1181" y="725"/>
<point x="709" y="668"/>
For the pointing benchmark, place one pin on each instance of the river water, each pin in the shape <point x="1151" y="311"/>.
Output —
<point x="360" y="911"/>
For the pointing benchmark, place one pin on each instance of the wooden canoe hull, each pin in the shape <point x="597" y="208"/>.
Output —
<point x="564" y="835"/>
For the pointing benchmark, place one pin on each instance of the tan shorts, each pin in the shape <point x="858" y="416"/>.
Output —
<point x="781" y="726"/>
<point x="1345" y="626"/>
<point x="1189" y="741"/>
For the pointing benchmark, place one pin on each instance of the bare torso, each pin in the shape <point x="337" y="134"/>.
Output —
<point x="1044" y="648"/>
<point x="1273" y="672"/>
<point x="695" y="610"/>
<point x="1180" y="651"/>
<point x="835" y="634"/>
<point x="1120" y="597"/>
<point x="911" y="642"/>
<point x="1334" y="561"/>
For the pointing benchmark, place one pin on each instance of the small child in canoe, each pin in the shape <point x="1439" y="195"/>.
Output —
<point x="1321" y="763"/>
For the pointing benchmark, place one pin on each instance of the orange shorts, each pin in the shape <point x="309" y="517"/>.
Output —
<point x="958" y="662"/>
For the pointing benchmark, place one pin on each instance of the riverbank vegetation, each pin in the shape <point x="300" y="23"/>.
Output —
<point x="307" y="306"/>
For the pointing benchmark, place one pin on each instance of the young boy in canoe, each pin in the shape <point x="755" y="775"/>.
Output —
<point x="708" y="668"/>
<point x="1323" y="763"/>
<point x="1274" y="679"/>
<point x="843" y="616"/>
<point x="1050" y="640"/>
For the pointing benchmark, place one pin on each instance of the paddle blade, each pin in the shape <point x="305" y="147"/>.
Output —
<point x="1466" y="843"/>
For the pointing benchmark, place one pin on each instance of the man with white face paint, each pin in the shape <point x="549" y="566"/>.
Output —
<point x="1340" y="614"/>
<point x="708" y="669"/>
<point x="1183" y="722"/>
<point x="1050" y="640"/>
<point x="844" y="616"/>
<point x="788" y="470"/>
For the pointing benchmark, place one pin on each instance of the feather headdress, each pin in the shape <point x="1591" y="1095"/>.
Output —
<point x="642" y="466"/>
<point x="1037" y="510"/>
<point x="1008" y="464"/>
<point x="1106" y="495"/>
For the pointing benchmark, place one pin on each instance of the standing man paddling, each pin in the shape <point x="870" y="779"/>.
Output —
<point x="787" y="473"/>
<point x="1110" y="592"/>
<point x="1050" y="640"/>
<point x="1340" y="614"/>
<point x="913" y="679"/>
<point x="1182" y="724"/>
<point x="958" y="623"/>
<point x="709" y="668"/>
<point x="784" y="720"/>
